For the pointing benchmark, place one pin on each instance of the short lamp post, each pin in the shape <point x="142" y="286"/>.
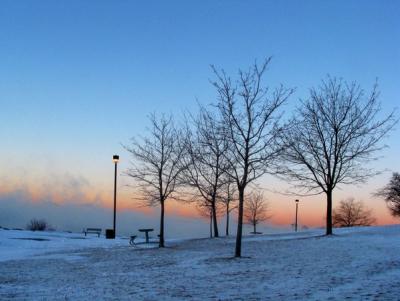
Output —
<point x="115" y="160"/>
<point x="297" y="209"/>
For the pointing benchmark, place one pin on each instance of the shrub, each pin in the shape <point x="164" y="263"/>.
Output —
<point x="37" y="225"/>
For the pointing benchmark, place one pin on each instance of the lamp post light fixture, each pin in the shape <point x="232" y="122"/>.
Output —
<point x="297" y="209"/>
<point x="115" y="160"/>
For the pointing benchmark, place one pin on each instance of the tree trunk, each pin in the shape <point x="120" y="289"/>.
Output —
<point x="214" y="213"/>
<point x="161" y="242"/>
<point x="238" y="248"/>
<point x="254" y="226"/>
<point x="329" y="213"/>
<point x="211" y="218"/>
<point x="227" y="220"/>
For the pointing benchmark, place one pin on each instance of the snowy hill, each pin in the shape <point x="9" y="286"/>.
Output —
<point x="354" y="264"/>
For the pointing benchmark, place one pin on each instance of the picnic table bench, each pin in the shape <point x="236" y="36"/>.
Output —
<point x="147" y="238"/>
<point x="93" y="230"/>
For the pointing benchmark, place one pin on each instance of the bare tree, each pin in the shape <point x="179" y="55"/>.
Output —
<point x="351" y="213"/>
<point x="156" y="166"/>
<point x="391" y="194"/>
<point x="256" y="210"/>
<point x="332" y="137"/>
<point x="228" y="198"/>
<point x="205" y="161"/>
<point x="252" y="125"/>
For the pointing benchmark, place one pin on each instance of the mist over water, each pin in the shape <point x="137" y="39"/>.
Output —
<point x="16" y="211"/>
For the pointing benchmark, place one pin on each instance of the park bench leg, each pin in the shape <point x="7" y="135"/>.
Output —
<point x="132" y="241"/>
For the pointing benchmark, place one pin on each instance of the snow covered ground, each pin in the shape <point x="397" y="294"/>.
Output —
<point x="354" y="264"/>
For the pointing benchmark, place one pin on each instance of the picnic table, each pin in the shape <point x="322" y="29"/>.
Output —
<point x="146" y="233"/>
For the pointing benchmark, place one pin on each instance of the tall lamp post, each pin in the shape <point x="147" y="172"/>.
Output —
<point x="297" y="209"/>
<point x="115" y="160"/>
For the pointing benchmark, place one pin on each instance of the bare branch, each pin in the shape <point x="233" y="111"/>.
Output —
<point x="391" y="194"/>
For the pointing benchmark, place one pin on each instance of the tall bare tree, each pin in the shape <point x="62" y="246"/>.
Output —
<point x="391" y="194"/>
<point x="252" y="126"/>
<point x="206" y="165"/>
<point x="228" y="198"/>
<point x="256" y="210"/>
<point x="351" y="213"/>
<point x="332" y="137"/>
<point x="156" y="165"/>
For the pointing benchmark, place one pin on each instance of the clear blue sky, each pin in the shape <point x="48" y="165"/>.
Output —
<point x="77" y="78"/>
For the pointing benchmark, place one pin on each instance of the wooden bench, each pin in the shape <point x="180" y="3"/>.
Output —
<point x="93" y="230"/>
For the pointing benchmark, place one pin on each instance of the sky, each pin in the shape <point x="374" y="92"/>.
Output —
<point x="78" y="80"/>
